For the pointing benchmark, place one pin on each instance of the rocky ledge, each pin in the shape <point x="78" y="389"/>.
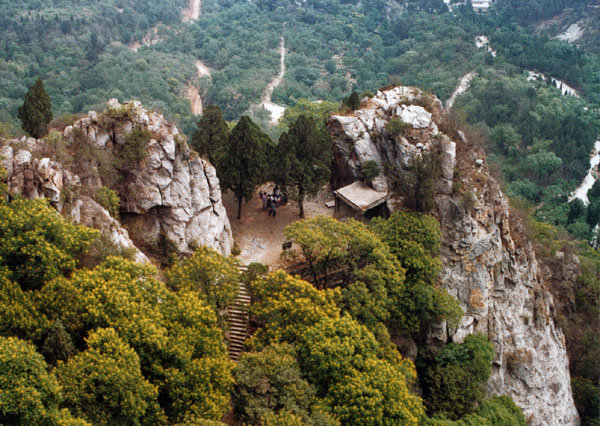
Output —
<point x="488" y="264"/>
<point x="166" y="192"/>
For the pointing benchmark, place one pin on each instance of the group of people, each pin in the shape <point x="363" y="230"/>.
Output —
<point x="272" y="201"/>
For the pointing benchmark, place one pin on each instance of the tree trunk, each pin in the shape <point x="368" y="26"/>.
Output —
<point x="301" y="201"/>
<point x="314" y="274"/>
<point x="240" y="208"/>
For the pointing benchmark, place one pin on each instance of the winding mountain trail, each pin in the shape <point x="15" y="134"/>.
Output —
<point x="193" y="12"/>
<point x="593" y="174"/>
<point x="560" y="85"/>
<point x="275" y="110"/>
<point x="193" y="91"/>
<point x="463" y="85"/>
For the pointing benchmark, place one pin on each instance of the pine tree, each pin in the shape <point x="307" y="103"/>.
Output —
<point x="211" y="135"/>
<point x="36" y="112"/>
<point x="304" y="158"/>
<point x="243" y="164"/>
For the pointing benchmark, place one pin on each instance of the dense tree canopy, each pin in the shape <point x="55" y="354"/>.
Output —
<point x="37" y="244"/>
<point x="30" y="395"/>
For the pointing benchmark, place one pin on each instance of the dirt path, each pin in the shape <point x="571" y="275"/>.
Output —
<point x="259" y="236"/>
<point x="275" y="110"/>
<point x="193" y="94"/>
<point x="193" y="12"/>
<point x="193" y="91"/>
<point x="590" y="178"/>
<point x="463" y="85"/>
<point x="202" y="70"/>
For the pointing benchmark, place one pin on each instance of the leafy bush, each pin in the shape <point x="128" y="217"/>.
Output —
<point x="396" y="126"/>
<point x="352" y="101"/>
<point x="37" y="243"/>
<point x="418" y="185"/>
<point x="30" y="394"/>
<point x="134" y="148"/>
<point x="455" y="383"/>
<point x="108" y="370"/>
<point x="269" y="382"/>
<point x="174" y="334"/>
<point x="415" y="239"/>
<point x="108" y="199"/>
<point x="370" y="170"/>
<point x="214" y="276"/>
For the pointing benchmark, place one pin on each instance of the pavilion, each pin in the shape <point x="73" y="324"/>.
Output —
<point x="364" y="201"/>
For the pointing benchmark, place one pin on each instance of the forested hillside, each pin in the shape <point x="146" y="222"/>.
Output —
<point x="530" y="99"/>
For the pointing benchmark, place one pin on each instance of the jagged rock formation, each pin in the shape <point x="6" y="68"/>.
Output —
<point x="43" y="178"/>
<point x="488" y="264"/>
<point x="167" y="193"/>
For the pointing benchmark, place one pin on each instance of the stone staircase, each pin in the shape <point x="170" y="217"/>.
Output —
<point x="237" y="320"/>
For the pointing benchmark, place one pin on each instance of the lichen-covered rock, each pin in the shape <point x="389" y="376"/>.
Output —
<point x="363" y="136"/>
<point x="43" y="178"/>
<point x="488" y="265"/>
<point x="168" y="195"/>
<point x="171" y="193"/>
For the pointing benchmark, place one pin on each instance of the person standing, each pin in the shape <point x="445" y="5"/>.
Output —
<point x="274" y="206"/>
<point x="263" y="197"/>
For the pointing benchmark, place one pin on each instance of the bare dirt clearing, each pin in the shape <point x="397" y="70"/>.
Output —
<point x="259" y="236"/>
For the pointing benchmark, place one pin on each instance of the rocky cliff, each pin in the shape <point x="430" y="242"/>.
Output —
<point x="166" y="192"/>
<point x="488" y="264"/>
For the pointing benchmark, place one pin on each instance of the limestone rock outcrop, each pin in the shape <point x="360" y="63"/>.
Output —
<point x="167" y="193"/>
<point x="488" y="264"/>
<point x="43" y="178"/>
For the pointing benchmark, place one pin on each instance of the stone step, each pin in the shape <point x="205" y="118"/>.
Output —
<point x="236" y="345"/>
<point x="236" y="349"/>
<point x="238" y="326"/>
<point x="243" y="316"/>
<point x="238" y="318"/>
<point x="238" y="337"/>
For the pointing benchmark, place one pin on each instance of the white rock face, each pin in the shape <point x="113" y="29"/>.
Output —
<point x="48" y="179"/>
<point x="363" y="136"/>
<point x="171" y="194"/>
<point x="488" y="266"/>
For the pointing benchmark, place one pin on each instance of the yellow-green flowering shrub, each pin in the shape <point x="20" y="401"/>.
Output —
<point x="287" y="306"/>
<point x="175" y="334"/>
<point x="104" y="384"/>
<point x="37" y="243"/>
<point x="214" y="276"/>
<point x="29" y="394"/>
<point x="19" y="316"/>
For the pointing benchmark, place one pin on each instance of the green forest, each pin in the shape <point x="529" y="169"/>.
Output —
<point x="333" y="47"/>
<point x="87" y="336"/>
<point x="90" y="337"/>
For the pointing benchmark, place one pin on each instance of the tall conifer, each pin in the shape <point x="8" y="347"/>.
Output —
<point x="243" y="164"/>
<point x="36" y="112"/>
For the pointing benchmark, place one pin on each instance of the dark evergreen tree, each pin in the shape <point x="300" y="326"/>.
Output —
<point x="211" y="135"/>
<point x="353" y="101"/>
<point x="243" y="163"/>
<point x="304" y="159"/>
<point x="36" y="112"/>
<point x="58" y="344"/>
